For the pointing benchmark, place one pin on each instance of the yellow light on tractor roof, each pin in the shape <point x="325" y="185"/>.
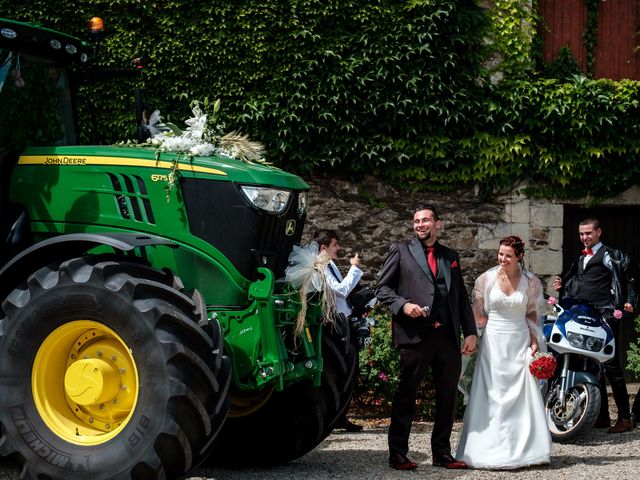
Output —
<point x="96" y="25"/>
<point x="96" y="28"/>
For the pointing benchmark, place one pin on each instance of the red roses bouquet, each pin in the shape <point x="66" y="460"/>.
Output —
<point x="542" y="366"/>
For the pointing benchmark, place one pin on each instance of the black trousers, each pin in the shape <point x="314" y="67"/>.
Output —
<point x="440" y="351"/>
<point x="614" y="373"/>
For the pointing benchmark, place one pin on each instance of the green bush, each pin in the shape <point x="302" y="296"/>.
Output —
<point x="633" y="354"/>
<point x="395" y="89"/>
<point x="348" y="84"/>
<point x="378" y="365"/>
<point x="379" y="371"/>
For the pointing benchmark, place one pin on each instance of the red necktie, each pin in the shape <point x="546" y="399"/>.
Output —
<point x="586" y="252"/>
<point x="431" y="260"/>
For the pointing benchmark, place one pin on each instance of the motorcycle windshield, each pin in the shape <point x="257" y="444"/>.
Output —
<point x="585" y="314"/>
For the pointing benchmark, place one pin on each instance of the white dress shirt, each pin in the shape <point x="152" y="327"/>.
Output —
<point x="606" y="260"/>
<point x="342" y="286"/>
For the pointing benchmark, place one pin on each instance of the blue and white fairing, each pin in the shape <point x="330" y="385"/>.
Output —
<point x="580" y="328"/>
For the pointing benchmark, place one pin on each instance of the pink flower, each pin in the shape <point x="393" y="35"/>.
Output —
<point x="617" y="314"/>
<point x="383" y="376"/>
<point x="552" y="300"/>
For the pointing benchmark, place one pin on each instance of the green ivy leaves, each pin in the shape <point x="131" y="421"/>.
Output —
<point x="396" y="89"/>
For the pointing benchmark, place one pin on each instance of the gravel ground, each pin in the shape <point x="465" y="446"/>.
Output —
<point x="363" y="456"/>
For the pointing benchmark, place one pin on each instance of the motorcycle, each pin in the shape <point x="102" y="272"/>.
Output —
<point x="581" y="340"/>
<point x="362" y="301"/>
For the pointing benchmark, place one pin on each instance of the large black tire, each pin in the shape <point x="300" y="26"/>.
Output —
<point x="576" y="415"/>
<point x="144" y="321"/>
<point x="294" y="421"/>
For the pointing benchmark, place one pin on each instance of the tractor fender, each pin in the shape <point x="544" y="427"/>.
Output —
<point x="67" y="246"/>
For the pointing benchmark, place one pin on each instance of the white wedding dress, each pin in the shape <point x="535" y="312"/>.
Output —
<point x="504" y="423"/>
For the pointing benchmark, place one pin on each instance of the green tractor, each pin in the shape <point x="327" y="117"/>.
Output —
<point x="146" y="329"/>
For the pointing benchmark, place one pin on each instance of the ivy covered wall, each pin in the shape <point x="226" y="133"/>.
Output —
<point x="398" y="88"/>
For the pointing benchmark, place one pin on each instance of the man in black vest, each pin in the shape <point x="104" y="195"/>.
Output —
<point x="421" y="283"/>
<point x="604" y="276"/>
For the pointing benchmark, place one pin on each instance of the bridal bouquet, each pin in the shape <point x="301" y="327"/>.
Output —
<point x="542" y="366"/>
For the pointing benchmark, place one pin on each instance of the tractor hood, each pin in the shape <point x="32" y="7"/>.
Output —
<point x="223" y="168"/>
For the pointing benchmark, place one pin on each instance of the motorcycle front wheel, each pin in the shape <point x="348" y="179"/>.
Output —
<point x="573" y="414"/>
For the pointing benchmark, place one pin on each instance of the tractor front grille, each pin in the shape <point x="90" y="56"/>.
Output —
<point x="219" y="214"/>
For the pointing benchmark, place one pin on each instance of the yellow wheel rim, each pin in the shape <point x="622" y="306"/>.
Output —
<point x="246" y="403"/>
<point x="84" y="382"/>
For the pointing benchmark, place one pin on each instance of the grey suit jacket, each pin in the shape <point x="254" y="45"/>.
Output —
<point x="405" y="277"/>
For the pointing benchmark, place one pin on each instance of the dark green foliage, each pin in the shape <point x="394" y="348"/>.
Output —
<point x="563" y="67"/>
<point x="568" y="138"/>
<point x="369" y="84"/>
<point x="379" y="371"/>
<point x="352" y="84"/>
<point x="633" y="354"/>
<point x="379" y="364"/>
<point x="388" y="87"/>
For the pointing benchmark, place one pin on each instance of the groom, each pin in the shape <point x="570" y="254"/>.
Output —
<point x="421" y="283"/>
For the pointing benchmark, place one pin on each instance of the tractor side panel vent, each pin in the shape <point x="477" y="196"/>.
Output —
<point x="132" y="198"/>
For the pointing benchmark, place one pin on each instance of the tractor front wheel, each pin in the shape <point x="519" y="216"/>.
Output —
<point x="105" y="373"/>
<point x="277" y="427"/>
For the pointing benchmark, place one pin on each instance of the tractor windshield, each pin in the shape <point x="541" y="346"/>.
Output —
<point x="35" y="102"/>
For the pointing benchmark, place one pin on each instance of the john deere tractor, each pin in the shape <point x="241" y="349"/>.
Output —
<point x="146" y="329"/>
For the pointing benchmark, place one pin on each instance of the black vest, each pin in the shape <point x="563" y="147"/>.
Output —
<point x="594" y="282"/>
<point x="440" y="308"/>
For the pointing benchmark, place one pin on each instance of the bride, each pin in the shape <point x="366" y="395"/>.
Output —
<point x="504" y="424"/>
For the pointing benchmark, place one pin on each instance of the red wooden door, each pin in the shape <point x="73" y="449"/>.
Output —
<point x="563" y="22"/>
<point x="616" y="55"/>
<point x="617" y="49"/>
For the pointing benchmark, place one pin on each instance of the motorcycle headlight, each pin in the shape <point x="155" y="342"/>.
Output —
<point x="576" y="340"/>
<point x="594" y="344"/>
<point x="585" y="342"/>
<point x="267" y="199"/>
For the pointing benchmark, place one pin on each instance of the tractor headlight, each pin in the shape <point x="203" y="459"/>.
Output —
<point x="268" y="199"/>
<point x="302" y="203"/>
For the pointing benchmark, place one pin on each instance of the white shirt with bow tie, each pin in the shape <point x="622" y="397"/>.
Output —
<point x="606" y="259"/>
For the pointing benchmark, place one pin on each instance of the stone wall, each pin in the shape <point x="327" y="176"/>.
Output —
<point x="370" y="215"/>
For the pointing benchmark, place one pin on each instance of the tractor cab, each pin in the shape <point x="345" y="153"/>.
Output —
<point x="37" y="107"/>
<point x="35" y="85"/>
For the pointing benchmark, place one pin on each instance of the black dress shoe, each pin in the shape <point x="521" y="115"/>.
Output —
<point x="349" y="426"/>
<point x="401" y="462"/>
<point x="448" y="461"/>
